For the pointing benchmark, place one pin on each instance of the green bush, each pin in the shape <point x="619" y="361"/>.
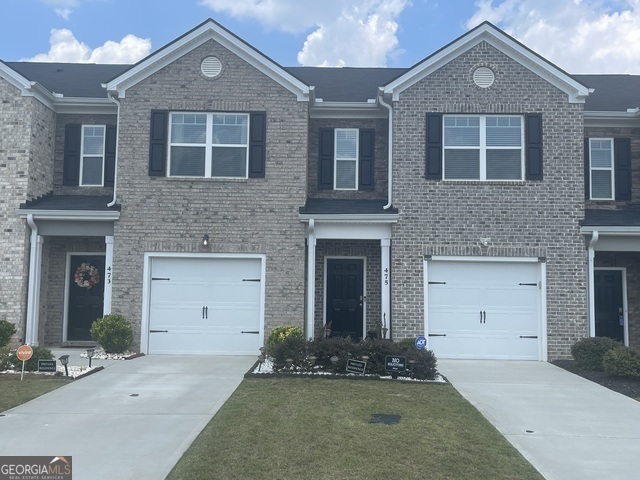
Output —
<point x="279" y="334"/>
<point x="31" y="365"/>
<point x="7" y="329"/>
<point x="113" y="333"/>
<point x="589" y="352"/>
<point x="622" y="362"/>
<point x="421" y="363"/>
<point x="5" y="354"/>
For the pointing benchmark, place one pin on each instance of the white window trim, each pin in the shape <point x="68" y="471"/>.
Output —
<point x="208" y="145"/>
<point x="336" y="159"/>
<point x="483" y="150"/>
<point x="611" y="169"/>
<point x="83" y="155"/>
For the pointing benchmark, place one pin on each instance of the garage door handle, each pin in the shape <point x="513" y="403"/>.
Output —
<point x="250" y="279"/>
<point x="483" y="316"/>
<point x="437" y="283"/>
<point x="158" y="331"/>
<point x="160" y="278"/>
<point x="437" y="334"/>
<point x="528" y="284"/>
<point x="251" y="331"/>
<point x="528" y="336"/>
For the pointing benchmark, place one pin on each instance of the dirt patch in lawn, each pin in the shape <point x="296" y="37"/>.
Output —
<point x="629" y="386"/>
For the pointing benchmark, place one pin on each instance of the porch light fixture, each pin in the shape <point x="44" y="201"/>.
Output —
<point x="64" y="361"/>
<point x="205" y="241"/>
<point x="90" y="353"/>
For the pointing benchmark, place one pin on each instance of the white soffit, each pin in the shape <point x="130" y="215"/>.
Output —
<point x="497" y="38"/>
<point x="209" y="30"/>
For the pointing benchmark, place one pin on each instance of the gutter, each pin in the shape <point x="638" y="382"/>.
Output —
<point x="591" y="256"/>
<point x="389" y="153"/>
<point x="115" y="173"/>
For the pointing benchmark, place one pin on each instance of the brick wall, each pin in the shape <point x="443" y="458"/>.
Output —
<point x="240" y="216"/>
<point x="521" y="218"/>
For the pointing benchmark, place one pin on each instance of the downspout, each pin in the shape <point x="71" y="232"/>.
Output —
<point x="591" y="255"/>
<point x="390" y="152"/>
<point x="31" y="324"/>
<point x="115" y="173"/>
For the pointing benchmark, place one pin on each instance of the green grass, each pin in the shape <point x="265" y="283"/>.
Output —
<point x="314" y="428"/>
<point x="14" y="392"/>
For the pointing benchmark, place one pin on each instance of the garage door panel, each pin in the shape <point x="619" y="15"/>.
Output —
<point x="484" y="309"/>
<point x="203" y="305"/>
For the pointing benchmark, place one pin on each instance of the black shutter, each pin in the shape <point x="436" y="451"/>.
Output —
<point x="110" y="156"/>
<point x="158" y="143"/>
<point x="533" y="146"/>
<point x="72" y="141"/>
<point x="325" y="159"/>
<point x="622" y="162"/>
<point x="366" y="160"/>
<point x="257" y="144"/>
<point x="433" y="160"/>
<point x="587" y="171"/>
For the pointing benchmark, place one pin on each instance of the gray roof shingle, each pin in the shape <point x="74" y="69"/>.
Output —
<point x="611" y="218"/>
<point x="70" y="202"/>
<point x="323" y="206"/>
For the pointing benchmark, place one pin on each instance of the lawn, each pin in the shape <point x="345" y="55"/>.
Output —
<point x="316" y="428"/>
<point x="14" y="392"/>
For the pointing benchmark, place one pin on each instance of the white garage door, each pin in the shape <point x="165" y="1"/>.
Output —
<point x="484" y="309"/>
<point x="205" y="306"/>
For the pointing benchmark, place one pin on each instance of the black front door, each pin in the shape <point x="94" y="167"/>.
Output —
<point x="86" y="294"/>
<point x="608" y="303"/>
<point x="344" y="297"/>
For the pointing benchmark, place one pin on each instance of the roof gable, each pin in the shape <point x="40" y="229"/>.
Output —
<point x="208" y="30"/>
<point x="487" y="32"/>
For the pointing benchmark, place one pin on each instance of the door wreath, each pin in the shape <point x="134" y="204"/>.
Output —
<point x="86" y="276"/>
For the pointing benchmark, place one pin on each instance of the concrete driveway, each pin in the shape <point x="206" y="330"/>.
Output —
<point x="132" y="420"/>
<point x="565" y="426"/>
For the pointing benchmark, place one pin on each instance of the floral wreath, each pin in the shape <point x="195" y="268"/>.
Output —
<point x="86" y="276"/>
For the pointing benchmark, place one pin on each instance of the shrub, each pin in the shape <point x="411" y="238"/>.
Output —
<point x="31" y="365"/>
<point x="5" y="354"/>
<point x="113" y="333"/>
<point x="589" y="352"/>
<point x="622" y="362"/>
<point x="7" y="329"/>
<point x="279" y="334"/>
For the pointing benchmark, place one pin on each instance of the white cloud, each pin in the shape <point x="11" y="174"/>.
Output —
<point x="580" y="36"/>
<point x="63" y="8"/>
<point x="65" y="47"/>
<point x="356" y="33"/>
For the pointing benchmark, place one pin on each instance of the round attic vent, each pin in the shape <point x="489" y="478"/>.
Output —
<point x="211" y="67"/>
<point x="483" y="77"/>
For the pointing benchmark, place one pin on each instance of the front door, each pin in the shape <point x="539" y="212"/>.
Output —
<point x="345" y="297"/>
<point x="86" y="295"/>
<point x="609" y="304"/>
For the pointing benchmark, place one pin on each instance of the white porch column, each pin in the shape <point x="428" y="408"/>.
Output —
<point x="385" y="244"/>
<point x="311" y="280"/>
<point x="33" y="296"/>
<point x="108" y="275"/>
<point x="591" y="255"/>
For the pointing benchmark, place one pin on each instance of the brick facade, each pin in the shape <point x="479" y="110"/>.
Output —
<point x="527" y="218"/>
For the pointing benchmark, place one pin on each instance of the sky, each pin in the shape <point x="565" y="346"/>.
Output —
<point x="579" y="36"/>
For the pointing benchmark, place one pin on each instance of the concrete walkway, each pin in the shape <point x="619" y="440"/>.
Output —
<point x="132" y="420"/>
<point x="566" y="426"/>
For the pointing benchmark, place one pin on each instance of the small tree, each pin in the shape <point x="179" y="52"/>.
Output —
<point x="113" y="333"/>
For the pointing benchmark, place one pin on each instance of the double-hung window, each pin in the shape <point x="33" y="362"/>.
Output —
<point x="209" y="145"/>
<point x="483" y="147"/>
<point x="346" y="158"/>
<point x="601" y="168"/>
<point x="92" y="155"/>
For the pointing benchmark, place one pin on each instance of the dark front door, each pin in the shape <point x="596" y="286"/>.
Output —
<point x="86" y="294"/>
<point x="608" y="303"/>
<point x="344" y="297"/>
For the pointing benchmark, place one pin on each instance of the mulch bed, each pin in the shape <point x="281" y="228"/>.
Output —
<point x="629" y="386"/>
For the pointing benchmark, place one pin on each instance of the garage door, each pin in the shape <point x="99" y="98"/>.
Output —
<point x="205" y="306"/>
<point x="484" y="309"/>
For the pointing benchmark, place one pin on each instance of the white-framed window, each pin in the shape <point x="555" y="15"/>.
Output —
<point x="601" y="157"/>
<point x="214" y="145"/>
<point x="92" y="150"/>
<point x="483" y="147"/>
<point x="346" y="159"/>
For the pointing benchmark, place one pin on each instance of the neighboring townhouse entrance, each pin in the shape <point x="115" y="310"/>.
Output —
<point x="345" y="297"/>
<point x="484" y="309"/>
<point x="85" y="297"/>
<point x="205" y="305"/>
<point x="609" y="303"/>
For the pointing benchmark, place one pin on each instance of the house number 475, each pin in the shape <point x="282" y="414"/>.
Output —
<point x="385" y="276"/>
